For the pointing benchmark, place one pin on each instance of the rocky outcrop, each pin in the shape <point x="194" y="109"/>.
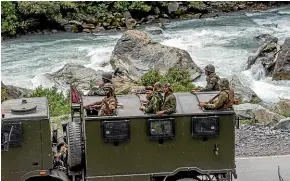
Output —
<point x="245" y="111"/>
<point x="243" y="93"/>
<point x="282" y="107"/>
<point x="266" y="117"/>
<point x="13" y="92"/>
<point x="284" y="124"/>
<point x="274" y="58"/>
<point x="136" y="53"/>
<point x="282" y="65"/>
<point x="78" y="75"/>
<point x="266" y="54"/>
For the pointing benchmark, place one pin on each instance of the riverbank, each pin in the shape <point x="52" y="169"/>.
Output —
<point x="80" y="17"/>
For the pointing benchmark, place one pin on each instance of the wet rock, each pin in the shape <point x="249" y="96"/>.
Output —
<point x="54" y="31"/>
<point x="78" y="75"/>
<point x="98" y="29"/>
<point x="270" y="25"/>
<point x="266" y="38"/>
<point x="284" y="124"/>
<point x="282" y="64"/>
<point x="266" y="54"/>
<point x="88" y="26"/>
<point x="136" y="53"/>
<point x="243" y="93"/>
<point x="68" y="27"/>
<point x="87" y="30"/>
<point x="75" y="22"/>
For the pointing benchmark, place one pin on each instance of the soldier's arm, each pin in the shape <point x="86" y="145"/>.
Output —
<point x="112" y="104"/>
<point x="210" y="85"/>
<point x="219" y="102"/>
<point x="150" y="106"/>
<point x="172" y="107"/>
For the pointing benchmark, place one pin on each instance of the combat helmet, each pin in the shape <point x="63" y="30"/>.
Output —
<point x="107" y="77"/>
<point x="209" y="68"/>
<point x="110" y="86"/>
<point x="169" y="86"/>
<point x="224" y="83"/>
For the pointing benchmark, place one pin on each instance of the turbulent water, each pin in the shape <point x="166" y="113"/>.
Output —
<point x="225" y="41"/>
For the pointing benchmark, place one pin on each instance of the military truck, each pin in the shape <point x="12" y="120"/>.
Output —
<point x="191" y="143"/>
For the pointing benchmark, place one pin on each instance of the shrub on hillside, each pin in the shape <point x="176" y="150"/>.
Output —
<point x="58" y="101"/>
<point x="178" y="78"/>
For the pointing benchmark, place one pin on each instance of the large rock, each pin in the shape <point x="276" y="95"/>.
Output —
<point x="135" y="54"/>
<point x="13" y="92"/>
<point x="284" y="124"/>
<point x="282" y="66"/>
<point x="266" y="54"/>
<point x="243" y="93"/>
<point x="282" y="107"/>
<point x="78" y="75"/>
<point x="245" y="111"/>
<point x="267" y="117"/>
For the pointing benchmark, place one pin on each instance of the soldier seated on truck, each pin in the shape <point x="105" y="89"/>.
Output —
<point x="107" y="106"/>
<point x="154" y="102"/>
<point x="169" y="102"/>
<point x="224" y="99"/>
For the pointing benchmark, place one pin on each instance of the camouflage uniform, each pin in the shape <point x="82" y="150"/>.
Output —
<point x="224" y="99"/>
<point x="154" y="104"/>
<point x="211" y="80"/>
<point x="169" y="102"/>
<point x="99" y="90"/>
<point x="109" y="104"/>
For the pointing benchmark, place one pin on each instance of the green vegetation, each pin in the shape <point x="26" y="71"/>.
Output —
<point x="21" y="17"/>
<point x="58" y="101"/>
<point x="178" y="78"/>
<point x="247" y="121"/>
<point x="4" y="94"/>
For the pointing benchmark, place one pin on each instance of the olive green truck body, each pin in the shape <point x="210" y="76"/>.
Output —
<point x="192" y="143"/>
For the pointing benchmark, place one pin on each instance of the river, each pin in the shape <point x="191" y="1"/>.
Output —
<point x="225" y="41"/>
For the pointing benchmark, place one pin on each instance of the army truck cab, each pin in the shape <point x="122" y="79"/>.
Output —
<point x="191" y="143"/>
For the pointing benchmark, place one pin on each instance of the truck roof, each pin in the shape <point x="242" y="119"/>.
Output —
<point x="35" y="108"/>
<point x="186" y="104"/>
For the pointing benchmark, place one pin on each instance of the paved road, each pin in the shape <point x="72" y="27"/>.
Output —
<point x="263" y="168"/>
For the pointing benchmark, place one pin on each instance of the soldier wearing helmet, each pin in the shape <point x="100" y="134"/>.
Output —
<point x="169" y="101"/>
<point x="225" y="98"/>
<point x="211" y="79"/>
<point x="154" y="102"/>
<point x="99" y="89"/>
<point x="108" y="105"/>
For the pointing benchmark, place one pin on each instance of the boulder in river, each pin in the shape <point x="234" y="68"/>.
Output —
<point x="243" y="93"/>
<point x="282" y="64"/>
<point x="274" y="58"/>
<point x="78" y="75"/>
<point x="136" y="53"/>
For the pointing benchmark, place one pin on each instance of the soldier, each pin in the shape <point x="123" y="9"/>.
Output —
<point x="154" y="102"/>
<point x="157" y="90"/>
<point x="99" y="90"/>
<point x="169" y="101"/>
<point x="108" y="105"/>
<point x="225" y="98"/>
<point x="211" y="79"/>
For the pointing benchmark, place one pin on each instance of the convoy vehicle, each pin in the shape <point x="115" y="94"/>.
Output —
<point x="191" y="143"/>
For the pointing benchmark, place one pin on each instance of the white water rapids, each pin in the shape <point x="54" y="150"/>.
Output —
<point x="225" y="41"/>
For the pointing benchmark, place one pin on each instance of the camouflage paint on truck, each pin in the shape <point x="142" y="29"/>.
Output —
<point x="139" y="157"/>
